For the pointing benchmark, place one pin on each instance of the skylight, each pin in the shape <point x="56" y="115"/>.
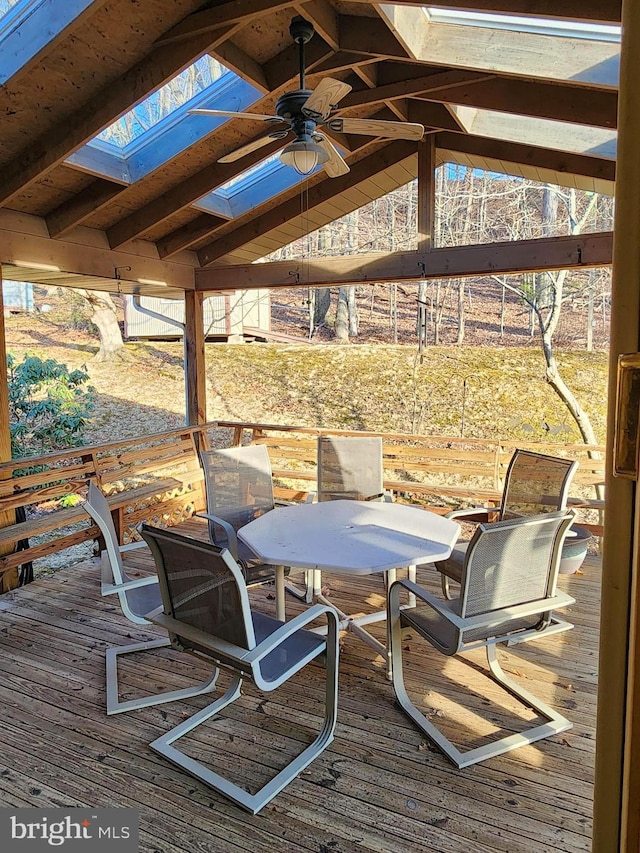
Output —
<point x="528" y="24"/>
<point x="11" y="11"/>
<point x="162" y="103"/>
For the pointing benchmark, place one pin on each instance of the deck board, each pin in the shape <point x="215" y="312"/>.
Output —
<point x="378" y="787"/>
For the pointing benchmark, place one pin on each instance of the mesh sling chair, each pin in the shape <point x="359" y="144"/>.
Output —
<point x="239" y="487"/>
<point x="508" y="589"/>
<point x="351" y="468"/>
<point x="534" y="484"/>
<point x="207" y="613"/>
<point x="137" y="597"/>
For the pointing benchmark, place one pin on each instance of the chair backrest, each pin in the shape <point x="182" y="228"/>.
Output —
<point x="349" y="467"/>
<point x="201" y="586"/>
<point x="238" y="483"/>
<point x="536" y="483"/>
<point x="98" y="508"/>
<point x="512" y="562"/>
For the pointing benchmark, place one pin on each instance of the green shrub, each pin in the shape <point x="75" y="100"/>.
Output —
<point x="49" y="405"/>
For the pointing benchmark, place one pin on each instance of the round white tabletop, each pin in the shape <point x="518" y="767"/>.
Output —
<point x="353" y="537"/>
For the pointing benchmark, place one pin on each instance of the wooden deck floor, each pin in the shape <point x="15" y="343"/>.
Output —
<point x="378" y="787"/>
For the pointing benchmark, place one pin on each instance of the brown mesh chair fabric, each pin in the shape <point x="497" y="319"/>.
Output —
<point x="508" y="590"/>
<point x="239" y="488"/>
<point x="350" y="467"/>
<point x="207" y="613"/>
<point x="534" y="484"/>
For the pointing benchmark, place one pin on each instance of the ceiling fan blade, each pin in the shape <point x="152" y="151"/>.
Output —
<point x="252" y="146"/>
<point x="326" y="94"/>
<point x="231" y="114"/>
<point x="335" y="165"/>
<point x="375" y="127"/>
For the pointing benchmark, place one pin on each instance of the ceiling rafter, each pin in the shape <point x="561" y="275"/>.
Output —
<point x="81" y="206"/>
<point x="224" y="14"/>
<point x="58" y="142"/>
<point x="317" y="194"/>
<point x="235" y="59"/>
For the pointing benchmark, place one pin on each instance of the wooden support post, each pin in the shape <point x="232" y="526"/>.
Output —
<point x="9" y="579"/>
<point x="195" y="368"/>
<point x="617" y="791"/>
<point x="426" y="193"/>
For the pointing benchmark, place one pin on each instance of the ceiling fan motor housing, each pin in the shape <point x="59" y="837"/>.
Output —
<point x="289" y="106"/>
<point x="301" y="30"/>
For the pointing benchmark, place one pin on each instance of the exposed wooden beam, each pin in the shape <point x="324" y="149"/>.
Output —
<point x="324" y="18"/>
<point x="371" y="37"/>
<point x="436" y="115"/>
<point x="343" y="60"/>
<point x="594" y="107"/>
<point x="58" y="142"/>
<point x="184" y="194"/>
<point x="81" y="206"/>
<point x="26" y="42"/>
<point x="424" y="84"/>
<point x="316" y="195"/>
<point x="187" y="235"/>
<point x="244" y="65"/>
<point x="284" y="67"/>
<point x="528" y="155"/>
<point x="554" y="253"/>
<point x="578" y="61"/>
<point x="24" y="242"/>
<point x="224" y="14"/>
<point x="605" y="11"/>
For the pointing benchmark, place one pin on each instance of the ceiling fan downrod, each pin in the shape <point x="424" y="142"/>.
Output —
<point x="301" y="32"/>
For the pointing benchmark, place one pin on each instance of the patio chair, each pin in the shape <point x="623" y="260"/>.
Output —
<point x="138" y="597"/>
<point x="508" y="589"/>
<point x="239" y="487"/>
<point x="350" y="468"/>
<point x="207" y="614"/>
<point x="534" y="483"/>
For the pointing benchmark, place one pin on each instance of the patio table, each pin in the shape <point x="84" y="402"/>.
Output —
<point x="349" y="538"/>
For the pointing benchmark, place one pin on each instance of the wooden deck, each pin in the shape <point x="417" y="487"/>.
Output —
<point x="378" y="787"/>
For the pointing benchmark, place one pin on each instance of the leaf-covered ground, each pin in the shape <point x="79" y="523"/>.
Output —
<point x="498" y="391"/>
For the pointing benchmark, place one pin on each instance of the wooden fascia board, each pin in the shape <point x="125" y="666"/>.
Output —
<point x="603" y="11"/>
<point x="317" y="194"/>
<point x="528" y="155"/>
<point x="588" y="250"/>
<point x="69" y="134"/>
<point x="24" y="241"/>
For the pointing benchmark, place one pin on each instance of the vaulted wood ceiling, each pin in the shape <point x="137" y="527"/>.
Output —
<point x="529" y="102"/>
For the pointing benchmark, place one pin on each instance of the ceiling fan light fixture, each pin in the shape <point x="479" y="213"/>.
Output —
<point x="303" y="155"/>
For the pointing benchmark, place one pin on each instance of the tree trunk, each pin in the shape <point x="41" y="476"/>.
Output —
<point x="353" y="312"/>
<point x="322" y="303"/>
<point x="342" y="316"/>
<point x="461" y="318"/>
<point x="104" y="317"/>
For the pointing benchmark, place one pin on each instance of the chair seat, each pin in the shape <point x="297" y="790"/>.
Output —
<point x="144" y="599"/>
<point x="452" y="566"/>
<point x="292" y="650"/>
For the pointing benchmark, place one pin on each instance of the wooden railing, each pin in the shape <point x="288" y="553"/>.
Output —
<point x="156" y="477"/>
<point x="439" y="471"/>
<point x="159" y="478"/>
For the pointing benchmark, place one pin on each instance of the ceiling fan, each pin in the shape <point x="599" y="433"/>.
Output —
<point x="304" y="112"/>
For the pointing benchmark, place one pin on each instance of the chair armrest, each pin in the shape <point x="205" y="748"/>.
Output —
<point x="113" y="588"/>
<point x="475" y="511"/>
<point x="232" y="538"/>
<point x="289" y="628"/>
<point x="484" y="620"/>
<point x="132" y="546"/>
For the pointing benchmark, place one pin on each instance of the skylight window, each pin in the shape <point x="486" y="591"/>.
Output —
<point x="528" y="24"/>
<point x="13" y="11"/>
<point x="162" y="103"/>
